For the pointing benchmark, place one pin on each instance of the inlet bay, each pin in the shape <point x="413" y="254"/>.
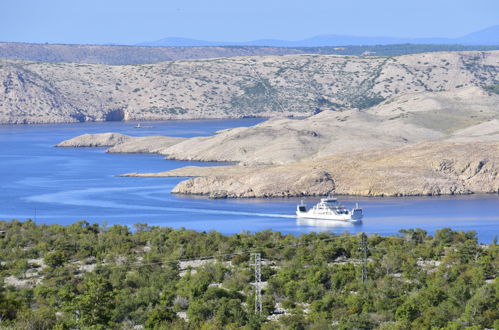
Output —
<point x="64" y="185"/>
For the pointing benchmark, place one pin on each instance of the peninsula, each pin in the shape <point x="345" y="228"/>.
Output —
<point x="424" y="143"/>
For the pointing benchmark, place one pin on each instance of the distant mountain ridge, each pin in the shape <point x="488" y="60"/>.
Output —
<point x="123" y="55"/>
<point x="487" y="36"/>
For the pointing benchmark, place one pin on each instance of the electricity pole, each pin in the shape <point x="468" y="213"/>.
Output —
<point x="363" y="247"/>
<point x="258" y="282"/>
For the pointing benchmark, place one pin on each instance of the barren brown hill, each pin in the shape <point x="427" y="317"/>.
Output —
<point x="384" y="150"/>
<point x="429" y="168"/>
<point x="35" y="92"/>
<point x="463" y="114"/>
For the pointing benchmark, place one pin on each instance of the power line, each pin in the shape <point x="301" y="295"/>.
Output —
<point x="243" y="252"/>
<point x="363" y="247"/>
<point x="257" y="257"/>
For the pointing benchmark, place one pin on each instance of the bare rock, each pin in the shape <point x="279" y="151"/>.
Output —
<point x="147" y="144"/>
<point x="95" y="140"/>
<point x="120" y="143"/>
<point x="419" y="169"/>
<point x="464" y="114"/>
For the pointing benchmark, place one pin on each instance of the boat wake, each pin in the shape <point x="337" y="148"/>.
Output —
<point x="85" y="197"/>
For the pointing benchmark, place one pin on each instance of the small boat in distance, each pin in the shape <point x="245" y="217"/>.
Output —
<point x="330" y="209"/>
<point x="139" y="126"/>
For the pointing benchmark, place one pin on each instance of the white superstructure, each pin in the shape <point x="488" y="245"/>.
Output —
<point x="329" y="209"/>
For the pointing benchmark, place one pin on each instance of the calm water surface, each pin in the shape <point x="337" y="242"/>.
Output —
<point x="64" y="185"/>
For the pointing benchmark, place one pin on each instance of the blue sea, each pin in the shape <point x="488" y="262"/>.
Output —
<point x="63" y="185"/>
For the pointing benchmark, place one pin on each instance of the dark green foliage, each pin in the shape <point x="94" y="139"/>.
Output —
<point x="492" y="88"/>
<point x="9" y="305"/>
<point x="104" y="278"/>
<point x="364" y="102"/>
<point x="160" y="318"/>
<point x="55" y="258"/>
<point x="258" y="95"/>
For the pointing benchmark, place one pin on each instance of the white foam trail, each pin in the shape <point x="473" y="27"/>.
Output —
<point x="324" y="223"/>
<point x="82" y="198"/>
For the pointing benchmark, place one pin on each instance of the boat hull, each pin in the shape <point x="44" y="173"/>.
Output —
<point x="332" y="217"/>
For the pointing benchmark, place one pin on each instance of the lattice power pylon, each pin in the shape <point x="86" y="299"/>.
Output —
<point x="258" y="282"/>
<point x="363" y="247"/>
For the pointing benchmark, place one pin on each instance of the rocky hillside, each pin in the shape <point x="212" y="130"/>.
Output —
<point x="34" y="92"/>
<point x="121" y="55"/>
<point x="424" y="143"/>
<point x="464" y="114"/>
<point x="429" y="168"/>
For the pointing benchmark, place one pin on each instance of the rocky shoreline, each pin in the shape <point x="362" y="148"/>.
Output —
<point x="120" y="143"/>
<point x="430" y="168"/>
<point x="415" y="144"/>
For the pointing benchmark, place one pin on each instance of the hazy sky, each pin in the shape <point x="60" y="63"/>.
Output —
<point x="129" y="22"/>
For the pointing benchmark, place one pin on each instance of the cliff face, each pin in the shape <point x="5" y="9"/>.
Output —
<point x="33" y="92"/>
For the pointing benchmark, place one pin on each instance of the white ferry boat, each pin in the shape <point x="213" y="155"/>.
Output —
<point x="329" y="209"/>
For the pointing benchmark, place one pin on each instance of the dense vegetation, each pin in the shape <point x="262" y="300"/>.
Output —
<point x="90" y="276"/>
<point x="492" y="88"/>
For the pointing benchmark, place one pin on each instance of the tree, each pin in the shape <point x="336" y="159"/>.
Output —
<point x="482" y="309"/>
<point x="9" y="307"/>
<point x="95" y="304"/>
<point x="159" y="318"/>
<point x="407" y="311"/>
<point x="55" y="259"/>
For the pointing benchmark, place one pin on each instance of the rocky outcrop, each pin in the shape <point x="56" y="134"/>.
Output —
<point x="436" y="168"/>
<point x="120" y="143"/>
<point x="95" y="140"/>
<point x="381" y="151"/>
<point x="146" y="144"/>
<point x="272" y="182"/>
<point x="266" y="86"/>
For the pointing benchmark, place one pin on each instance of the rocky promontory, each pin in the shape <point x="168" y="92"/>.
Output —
<point x="429" y="168"/>
<point x="465" y="114"/>
<point x="425" y="143"/>
<point x="120" y="143"/>
<point x="95" y="140"/>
